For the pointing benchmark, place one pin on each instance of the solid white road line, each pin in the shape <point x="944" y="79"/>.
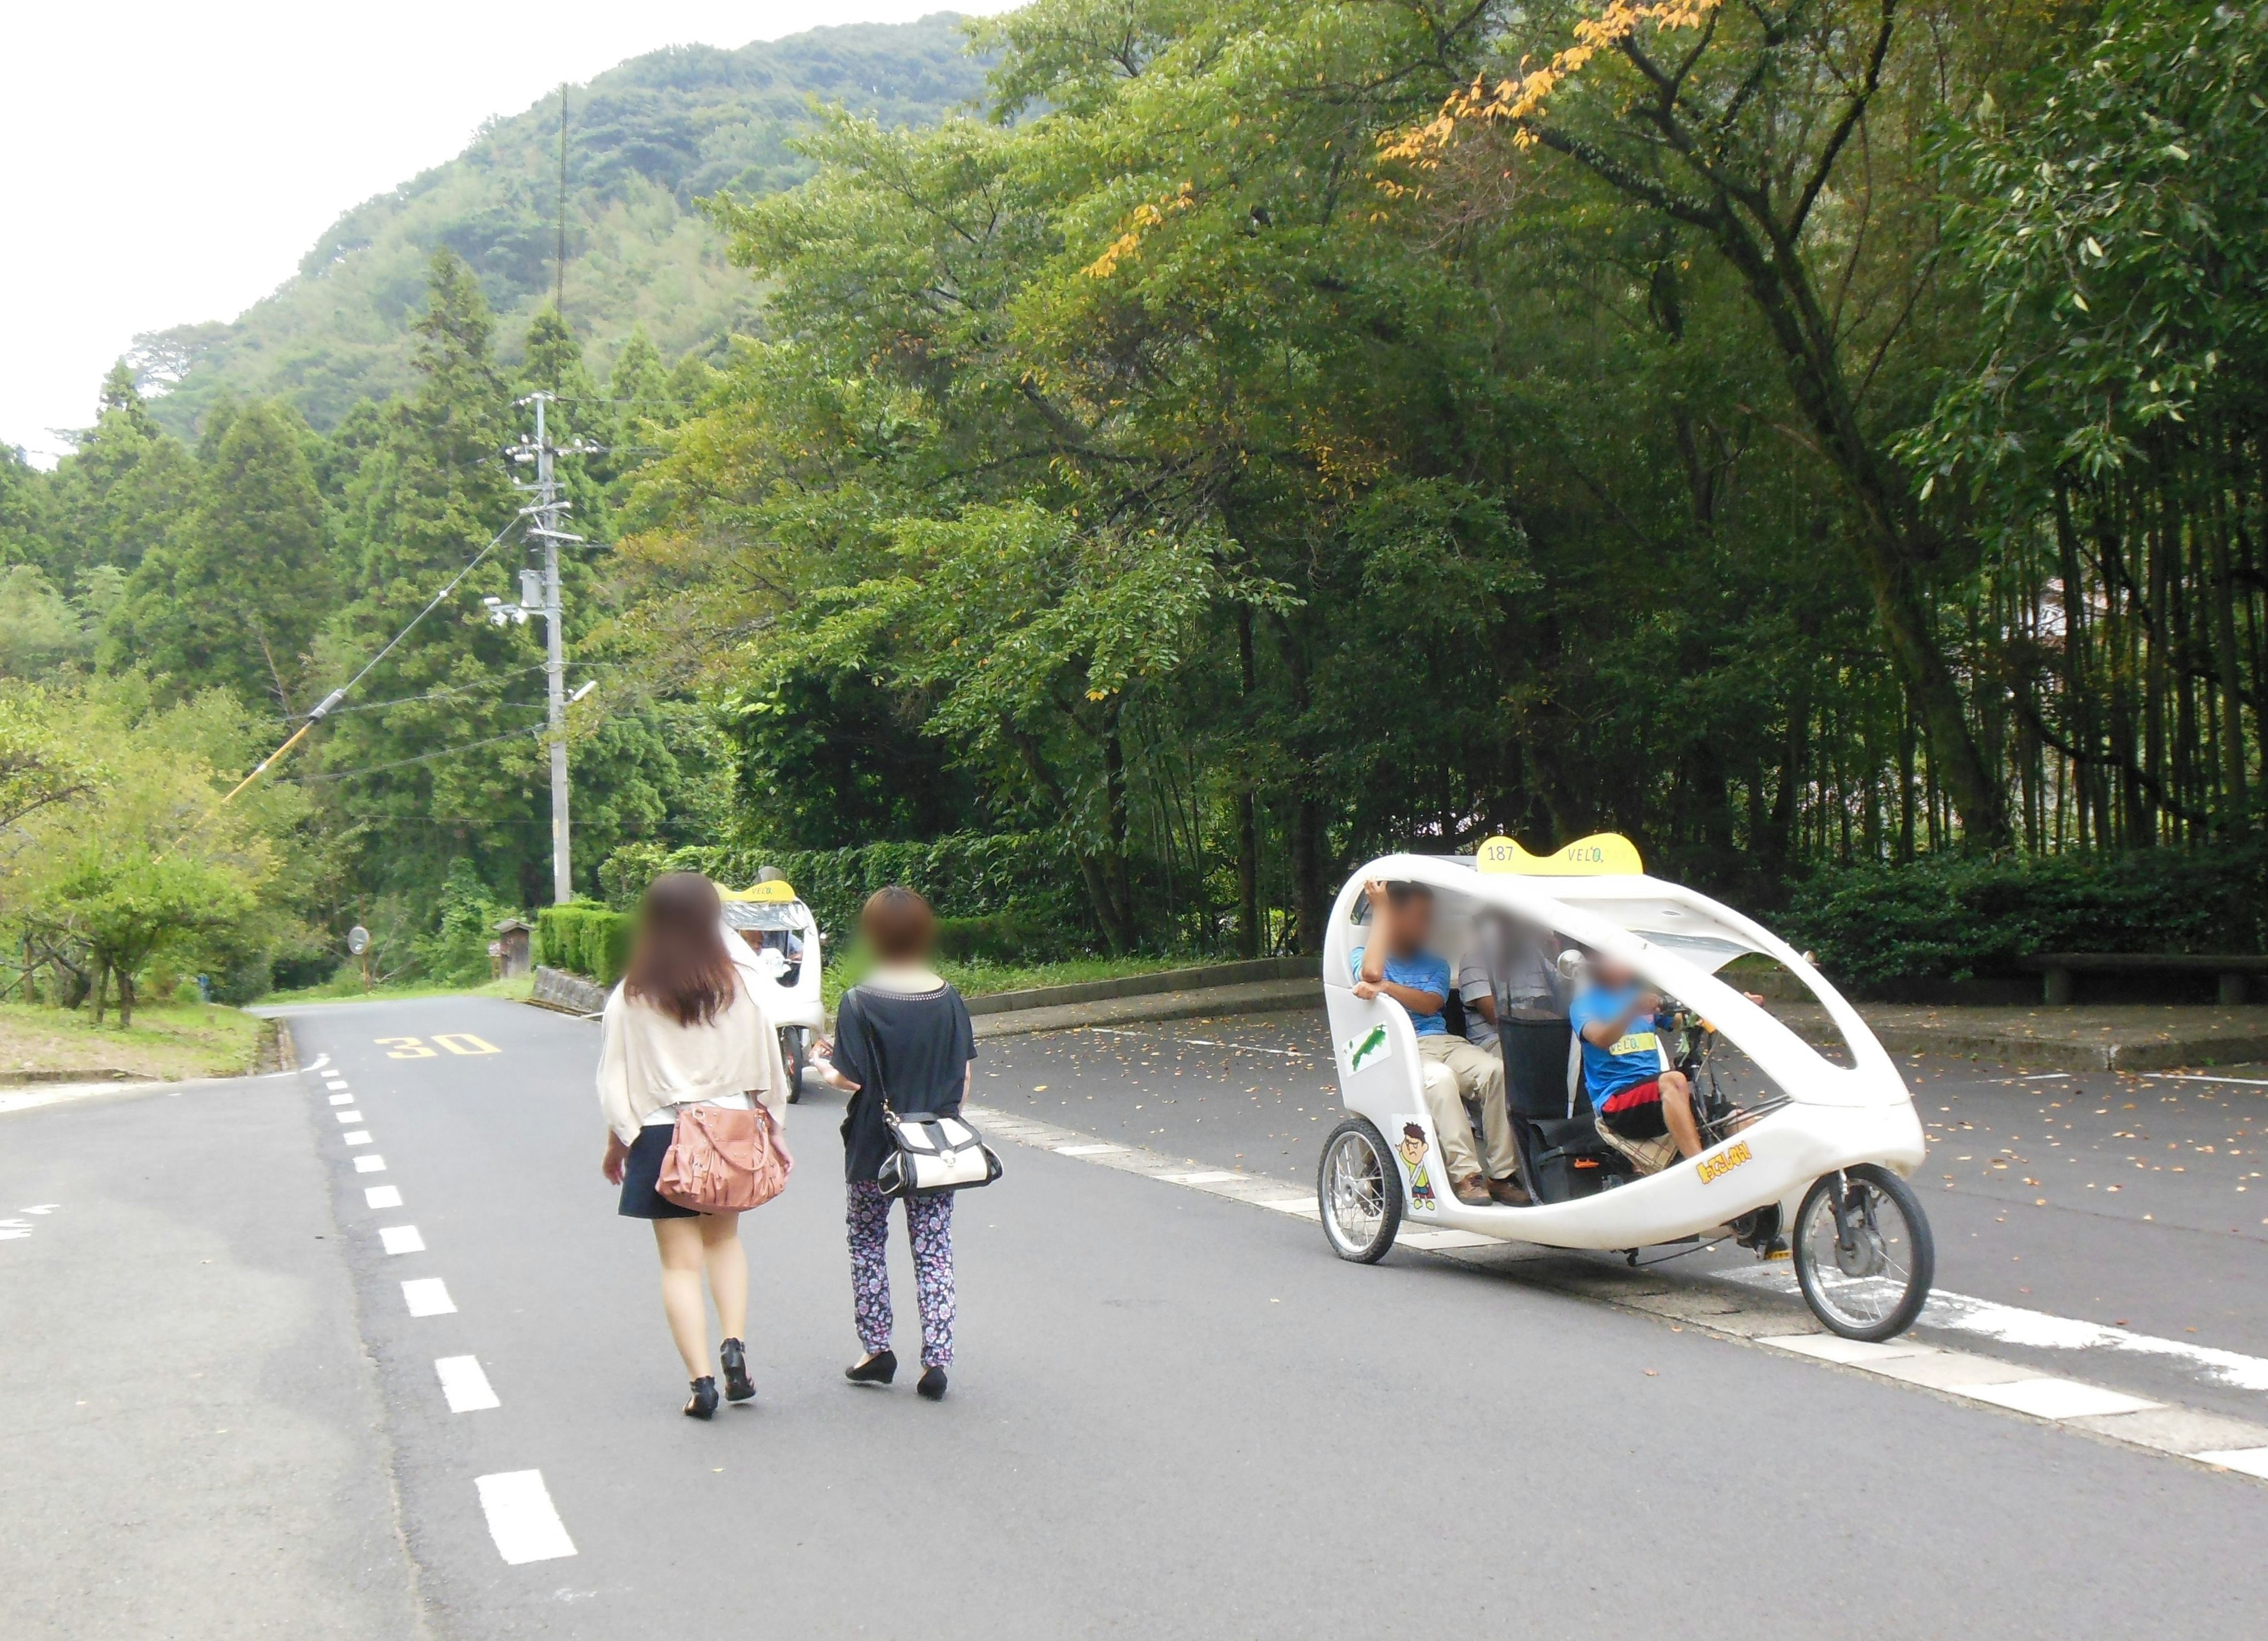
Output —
<point x="428" y="1295"/>
<point x="1200" y="1042"/>
<point x="370" y="1165"/>
<point x="381" y="1197"/>
<point x="2151" y="1426"/>
<point x="2014" y="1324"/>
<point x="2060" y="1399"/>
<point x="348" y="1116"/>
<point x="2197" y="1077"/>
<point x="465" y="1386"/>
<point x="342" y="1100"/>
<point x="358" y="1136"/>
<point x="522" y="1518"/>
<point x="2251" y="1461"/>
<point x="401" y="1240"/>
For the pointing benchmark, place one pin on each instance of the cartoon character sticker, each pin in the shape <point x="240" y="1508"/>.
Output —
<point x="1421" y="1182"/>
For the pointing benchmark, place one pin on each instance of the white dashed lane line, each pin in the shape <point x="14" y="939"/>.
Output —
<point x="2209" y="1439"/>
<point x="522" y="1521"/>
<point x="465" y="1384"/>
<point x="401" y="1240"/>
<point x="428" y="1295"/>
<point x="522" y="1518"/>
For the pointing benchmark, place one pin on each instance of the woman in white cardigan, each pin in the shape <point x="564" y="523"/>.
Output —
<point x="682" y="1029"/>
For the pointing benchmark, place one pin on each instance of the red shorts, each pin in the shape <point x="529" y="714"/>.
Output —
<point x="1635" y="1113"/>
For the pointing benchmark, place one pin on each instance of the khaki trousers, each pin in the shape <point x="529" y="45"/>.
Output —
<point x="1479" y="1072"/>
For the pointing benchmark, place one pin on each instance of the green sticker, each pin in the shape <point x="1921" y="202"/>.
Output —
<point x="1370" y="1046"/>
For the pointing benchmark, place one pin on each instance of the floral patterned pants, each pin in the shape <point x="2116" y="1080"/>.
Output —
<point x="928" y="1223"/>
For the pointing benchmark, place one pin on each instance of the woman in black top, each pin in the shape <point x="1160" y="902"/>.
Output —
<point x="902" y="1035"/>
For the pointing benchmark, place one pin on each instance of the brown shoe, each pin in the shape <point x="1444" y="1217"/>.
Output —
<point x="1471" y="1191"/>
<point x="1508" y="1192"/>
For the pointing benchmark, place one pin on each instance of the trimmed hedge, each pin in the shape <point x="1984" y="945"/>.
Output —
<point x="1951" y="917"/>
<point x="584" y="939"/>
<point x="1023" y="887"/>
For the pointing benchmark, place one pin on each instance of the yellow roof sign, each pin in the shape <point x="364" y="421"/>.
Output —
<point x="778" y="892"/>
<point x="1600" y="854"/>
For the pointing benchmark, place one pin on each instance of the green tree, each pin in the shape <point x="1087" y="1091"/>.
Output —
<point x="236" y="598"/>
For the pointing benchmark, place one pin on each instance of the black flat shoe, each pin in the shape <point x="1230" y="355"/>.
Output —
<point x="877" y="1368"/>
<point x="738" y="1386"/>
<point x="704" y="1403"/>
<point x="932" y="1385"/>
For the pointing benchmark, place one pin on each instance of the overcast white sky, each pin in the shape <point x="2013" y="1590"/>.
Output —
<point x="170" y="163"/>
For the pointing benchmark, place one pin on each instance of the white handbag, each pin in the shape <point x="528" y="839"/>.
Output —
<point x="929" y="1153"/>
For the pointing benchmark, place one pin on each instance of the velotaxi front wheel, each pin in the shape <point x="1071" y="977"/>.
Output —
<point x="1864" y="1271"/>
<point x="1358" y="1191"/>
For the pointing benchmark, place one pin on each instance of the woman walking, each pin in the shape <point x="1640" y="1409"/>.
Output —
<point x="681" y="1030"/>
<point x="902" y="1035"/>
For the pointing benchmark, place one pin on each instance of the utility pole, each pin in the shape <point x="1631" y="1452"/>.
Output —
<point x="539" y="596"/>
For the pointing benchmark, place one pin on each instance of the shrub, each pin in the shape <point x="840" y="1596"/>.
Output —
<point x="584" y="938"/>
<point x="1024" y="877"/>
<point x="1951" y="917"/>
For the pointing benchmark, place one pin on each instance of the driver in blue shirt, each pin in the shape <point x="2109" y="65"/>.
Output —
<point x="1397" y="964"/>
<point x="1632" y="1090"/>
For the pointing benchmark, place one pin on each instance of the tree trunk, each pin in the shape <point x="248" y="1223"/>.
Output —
<point x="125" y="999"/>
<point x="1248" y="824"/>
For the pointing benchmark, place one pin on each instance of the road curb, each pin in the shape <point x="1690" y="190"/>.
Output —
<point x="1257" y="998"/>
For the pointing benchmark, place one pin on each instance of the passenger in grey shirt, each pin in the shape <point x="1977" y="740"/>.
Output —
<point x="1533" y="988"/>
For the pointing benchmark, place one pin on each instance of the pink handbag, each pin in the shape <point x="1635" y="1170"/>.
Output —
<point x="723" y="1161"/>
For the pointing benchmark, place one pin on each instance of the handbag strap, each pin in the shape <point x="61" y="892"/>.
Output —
<point x="875" y="1058"/>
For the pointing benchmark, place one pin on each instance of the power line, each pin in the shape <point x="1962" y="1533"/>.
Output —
<point x="403" y="764"/>
<point x="323" y="710"/>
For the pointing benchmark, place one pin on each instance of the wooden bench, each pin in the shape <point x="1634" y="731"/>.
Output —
<point x="2061" y="968"/>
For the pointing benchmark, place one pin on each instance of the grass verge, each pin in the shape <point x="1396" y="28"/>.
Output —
<point x="171" y="1041"/>
<point x="346" y="987"/>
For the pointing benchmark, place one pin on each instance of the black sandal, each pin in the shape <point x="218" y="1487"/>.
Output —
<point x="734" y="1357"/>
<point x="704" y="1403"/>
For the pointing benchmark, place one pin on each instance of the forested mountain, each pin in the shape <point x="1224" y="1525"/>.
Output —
<point x="645" y="142"/>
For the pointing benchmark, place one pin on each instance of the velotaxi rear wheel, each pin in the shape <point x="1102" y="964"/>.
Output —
<point x="1868" y="1277"/>
<point x="1358" y="1191"/>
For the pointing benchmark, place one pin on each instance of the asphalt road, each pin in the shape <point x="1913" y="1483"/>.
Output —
<point x="1172" y="1415"/>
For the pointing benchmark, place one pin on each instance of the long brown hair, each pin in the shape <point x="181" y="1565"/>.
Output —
<point x="677" y="958"/>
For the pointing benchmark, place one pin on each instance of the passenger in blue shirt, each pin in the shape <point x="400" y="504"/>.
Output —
<point x="1397" y="964"/>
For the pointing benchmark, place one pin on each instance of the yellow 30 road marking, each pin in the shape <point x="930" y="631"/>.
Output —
<point x="454" y="1041"/>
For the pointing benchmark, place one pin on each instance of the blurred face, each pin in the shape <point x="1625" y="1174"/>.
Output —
<point x="1409" y="923"/>
<point x="1612" y="975"/>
